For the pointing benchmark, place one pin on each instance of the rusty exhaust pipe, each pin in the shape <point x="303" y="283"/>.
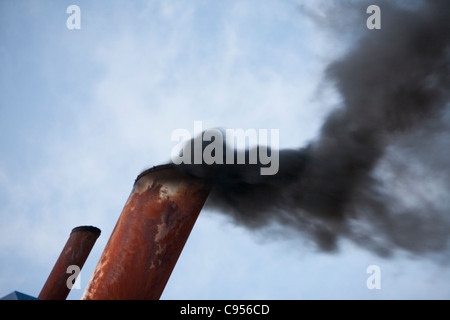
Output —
<point x="148" y="237"/>
<point x="74" y="253"/>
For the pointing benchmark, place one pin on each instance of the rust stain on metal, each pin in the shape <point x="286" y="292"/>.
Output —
<point x="75" y="252"/>
<point x="148" y="237"/>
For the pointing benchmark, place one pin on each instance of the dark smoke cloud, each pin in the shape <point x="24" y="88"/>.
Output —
<point x="378" y="173"/>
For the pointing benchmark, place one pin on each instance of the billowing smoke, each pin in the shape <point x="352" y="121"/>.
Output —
<point x="378" y="174"/>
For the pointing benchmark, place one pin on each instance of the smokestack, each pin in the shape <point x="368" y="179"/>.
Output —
<point x="148" y="237"/>
<point x="74" y="253"/>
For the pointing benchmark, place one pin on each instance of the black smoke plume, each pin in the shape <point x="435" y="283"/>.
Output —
<point x="379" y="172"/>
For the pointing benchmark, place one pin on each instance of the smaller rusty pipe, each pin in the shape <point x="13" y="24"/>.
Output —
<point x="149" y="236"/>
<point x="74" y="253"/>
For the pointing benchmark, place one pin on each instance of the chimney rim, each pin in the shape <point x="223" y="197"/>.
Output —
<point x="161" y="167"/>
<point x="92" y="229"/>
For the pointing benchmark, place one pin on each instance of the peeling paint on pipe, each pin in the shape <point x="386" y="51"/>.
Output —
<point x="74" y="253"/>
<point x="148" y="237"/>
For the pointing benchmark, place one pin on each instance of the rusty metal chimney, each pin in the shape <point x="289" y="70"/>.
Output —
<point x="74" y="253"/>
<point x="148" y="237"/>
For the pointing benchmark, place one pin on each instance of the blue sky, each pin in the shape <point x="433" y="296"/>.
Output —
<point x="83" y="112"/>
